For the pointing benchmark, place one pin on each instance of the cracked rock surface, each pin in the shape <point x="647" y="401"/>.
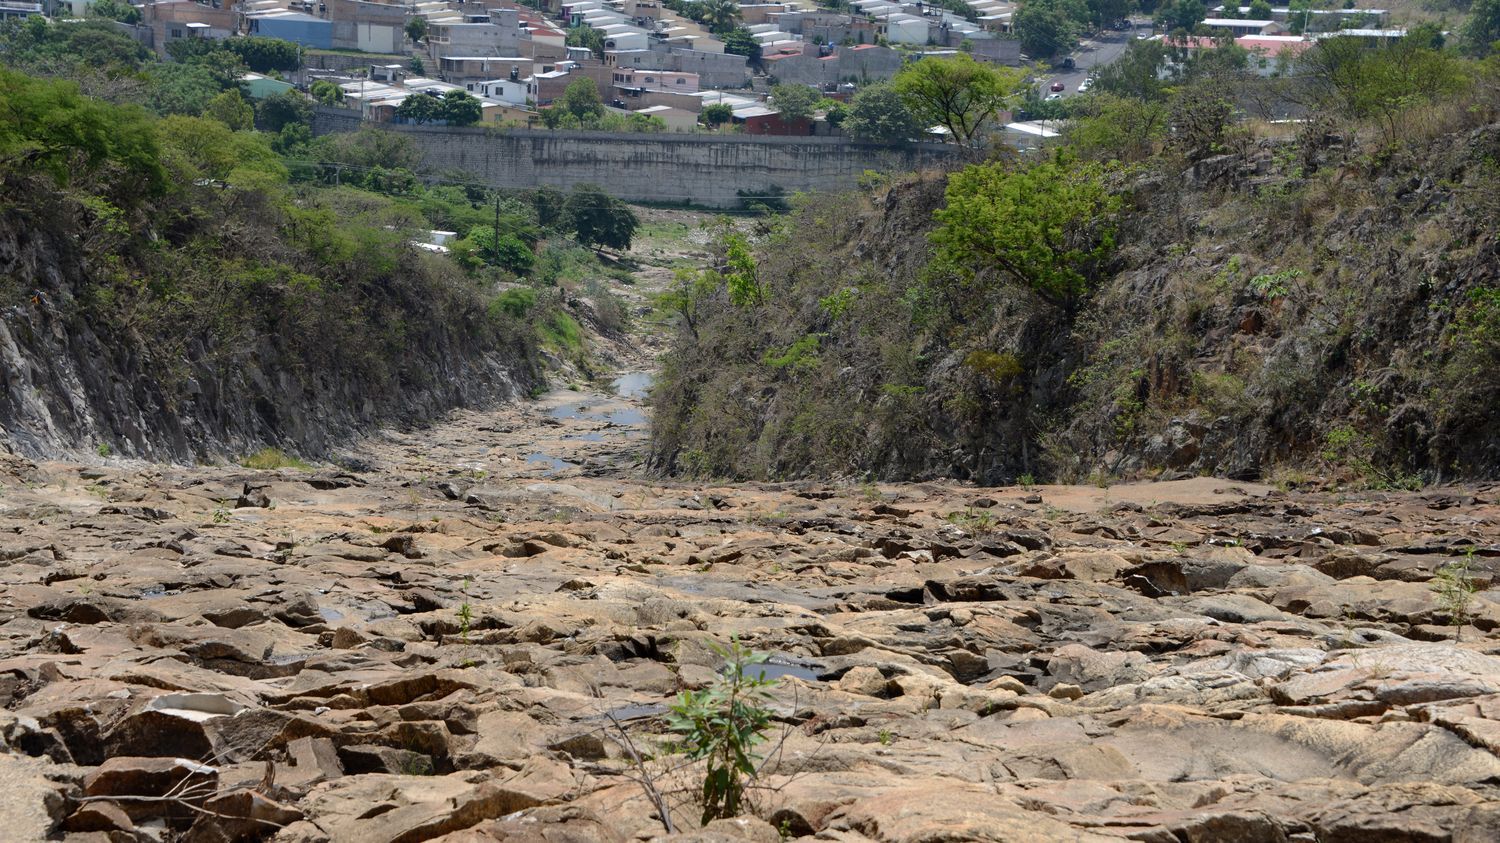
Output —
<point x="438" y="645"/>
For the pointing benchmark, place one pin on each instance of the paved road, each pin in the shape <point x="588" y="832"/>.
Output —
<point x="1095" y="52"/>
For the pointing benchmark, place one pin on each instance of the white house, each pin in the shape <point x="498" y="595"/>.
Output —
<point x="510" y="91"/>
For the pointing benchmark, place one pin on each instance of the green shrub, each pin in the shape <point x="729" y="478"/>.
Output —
<point x="516" y="302"/>
<point x="273" y="458"/>
<point x="561" y="333"/>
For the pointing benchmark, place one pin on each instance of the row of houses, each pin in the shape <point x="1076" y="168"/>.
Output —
<point x="1272" y="51"/>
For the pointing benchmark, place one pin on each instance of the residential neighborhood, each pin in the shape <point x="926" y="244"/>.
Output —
<point x="686" y="66"/>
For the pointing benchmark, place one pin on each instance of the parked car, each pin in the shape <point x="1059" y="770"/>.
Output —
<point x="1084" y="86"/>
<point x="1051" y="97"/>
<point x="1058" y="86"/>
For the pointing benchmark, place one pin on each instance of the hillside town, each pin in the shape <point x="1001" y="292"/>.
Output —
<point x="681" y="66"/>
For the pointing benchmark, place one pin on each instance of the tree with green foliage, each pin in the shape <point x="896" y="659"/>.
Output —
<point x="509" y="252"/>
<point x="231" y="109"/>
<point x="326" y="92"/>
<point x="115" y="10"/>
<point x="1106" y="12"/>
<point x="292" y="140"/>
<point x="92" y="47"/>
<point x="1044" y="29"/>
<point x="1113" y="128"/>
<point x="958" y="93"/>
<point x="716" y="115"/>
<point x="1482" y="30"/>
<point x="1298" y="15"/>
<point x="580" y="101"/>
<point x="741" y="280"/>
<point x="369" y="149"/>
<point x="416" y="28"/>
<point x="721" y="16"/>
<point x="1047" y="226"/>
<point x="49" y="128"/>
<point x="420" y="108"/>
<point x="878" y="113"/>
<point x="279" y="110"/>
<point x="599" y="220"/>
<point x="1260" y="10"/>
<point x="181" y="88"/>
<point x="1136" y="74"/>
<point x="795" y="102"/>
<point x="1200" y="117"/>
<point x="586" y="36"/>
<point x="1184" y="15"/>
<point x="264" y="55"/>
<point x="460" y="109"/>
<point x="1380" y="83"/>
<point x="216" y="153"/>
<point x="740" y="42"/>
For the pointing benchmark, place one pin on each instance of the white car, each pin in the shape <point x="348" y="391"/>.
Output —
<point x="1051" y="97"/>
<point x="1083" y="87"/>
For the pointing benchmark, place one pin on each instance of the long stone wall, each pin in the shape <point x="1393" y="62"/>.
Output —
<point x="702" y="169"/>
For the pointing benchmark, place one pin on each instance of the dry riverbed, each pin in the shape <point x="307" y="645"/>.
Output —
<point x="455" y="640"/>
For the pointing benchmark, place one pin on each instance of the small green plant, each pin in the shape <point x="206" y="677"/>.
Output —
<point x="98" y="490"/>
<point x="465" y="613"/>
<point x="721" y="725"/>
<point x="974" y="523"/>
<point x="103" y="450"/>
<point x="1026" y="481"/>
<point x="221" y="512"/>
<point x="1274" y="285"/>
<point x="885" y="737"/>
<point x="1454" y="586"/>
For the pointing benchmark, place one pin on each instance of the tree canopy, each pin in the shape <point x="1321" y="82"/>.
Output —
<point x="795" y="102"/>
<point x="47" y="126"/>
<point x="587" y="36"/>
<point x="1045" y="28"/>
<point x="958" y="94"/>
<point x="1046" y="226"/>
<point x="600" y="220"/>
<point x="878" y="113"/>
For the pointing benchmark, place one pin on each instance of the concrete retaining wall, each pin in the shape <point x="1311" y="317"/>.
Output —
<point x="699" y="168"/>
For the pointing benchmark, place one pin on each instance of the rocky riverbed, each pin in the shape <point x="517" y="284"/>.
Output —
<point x="455" y="640"/>
<point x="471" y="632"/>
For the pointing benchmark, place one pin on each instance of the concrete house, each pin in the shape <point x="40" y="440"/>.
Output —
<point x="715" y="70"/>
<point x="17" y="9"/>
<point x="297" y="27"/>
<point x="509" y="91"/>
<point x="677" y="119"/>
<point x="371" y="27"/>
<point x="498" y="33"/>
<point x="822" y="67"/>
<point x="636" y="81"/>
<point x="478" y="68"/>
<point x="174" y="20"/>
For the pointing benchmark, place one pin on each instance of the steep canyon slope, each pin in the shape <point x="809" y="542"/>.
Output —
<point x="1294" y="309"/>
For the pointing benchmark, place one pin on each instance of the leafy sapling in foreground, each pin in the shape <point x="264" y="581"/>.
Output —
<point x="1454" y="586"/>
<point x="721" y="725"/>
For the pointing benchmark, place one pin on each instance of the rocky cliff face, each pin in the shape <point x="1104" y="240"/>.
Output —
<point x="1294" y="307"/>
<point x="82" y="372"/>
